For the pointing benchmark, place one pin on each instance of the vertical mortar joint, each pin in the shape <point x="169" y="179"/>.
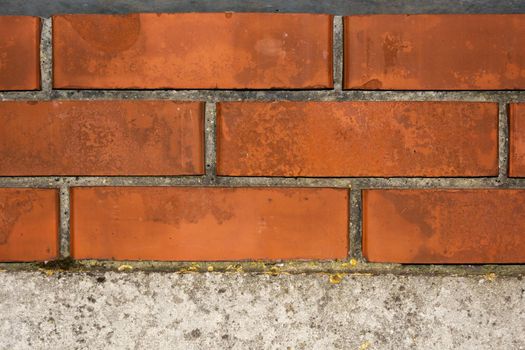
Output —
<point x="210" y="139"/>
<point x="65" y="214"/>
<point x="355" y="227"/>
<point x="503" y="141"/>
<point x="46" y="54"/>
<point x="338" y="52"/>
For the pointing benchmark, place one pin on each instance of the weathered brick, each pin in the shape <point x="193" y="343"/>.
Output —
<point x="357" y="139"/>
<point x="28" y="224"/>
<point x="101" y="138"/>
<point x="435" y="52"/>
<point x="193" y="50"/>
<point x="517" y="140"/>
<point x="19" y="53"/>
<point x="444" y="226"/>
<point x="176" y="223"/>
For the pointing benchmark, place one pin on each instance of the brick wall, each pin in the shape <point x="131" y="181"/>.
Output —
<point x="239" y="137"/>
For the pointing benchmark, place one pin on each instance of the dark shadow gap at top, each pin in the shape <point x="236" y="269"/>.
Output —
<point x="46" y="8"/>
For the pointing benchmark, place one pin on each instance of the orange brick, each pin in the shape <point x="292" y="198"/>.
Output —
<point x="357" y="139"/>
<point x="193" y="51"/>
<point x="148" y="223"/>
<point x="434" y="52"/>
<point x="517" y="140"/>
<point x="19" y="53"/>
<point x="101" y="138"/>
<point x="444" y="226"/>
<point x="29" y="221"/>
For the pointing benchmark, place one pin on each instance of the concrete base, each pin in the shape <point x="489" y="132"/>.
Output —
<point x="140" y="310"/>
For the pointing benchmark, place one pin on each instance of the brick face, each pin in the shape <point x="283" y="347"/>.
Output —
<point x="224" y="162"/>
<point x="19" y="53"/>
<point x="101" y="138"/>
<point x="444" y="226"/>
<point x="434" y="52"/>
<point x="28" y="224"/>
<point x="517" y="140"/>
<point x="357" y="139"/>
<point x="193" y="51"/>
<point x="209" y="224"/>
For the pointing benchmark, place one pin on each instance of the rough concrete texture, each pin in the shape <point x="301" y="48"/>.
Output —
<point x="247" y="311"/>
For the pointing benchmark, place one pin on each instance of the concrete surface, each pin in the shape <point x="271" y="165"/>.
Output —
<point x="139" y="310"/>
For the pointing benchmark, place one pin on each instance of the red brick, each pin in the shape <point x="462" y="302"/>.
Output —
<point x="357" y="139"/>
<point x="434" y="52"/>
<point x="517" y="140"/>
<point x="444" y="226"/>
<point x="19" y="53"/>
<point x="101" y="138"/>
<point x="29" y="221"/>
<point x="193" y="51"/>
<point x="148" y="223"/>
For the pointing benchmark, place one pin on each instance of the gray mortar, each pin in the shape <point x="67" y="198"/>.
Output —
<point x="337" y="44"/>
<point x="245" y="311"/>
<point x="46" y="55"/>
<point x="211" y="97"/>
<point x="503" y="141"/>
<point x="356" y="251"/>
<point x="210" y="122"/>
<point x="269" y="95"/>
<point x="64" y="221"/>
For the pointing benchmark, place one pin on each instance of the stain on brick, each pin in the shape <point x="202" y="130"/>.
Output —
<point x="119" y="32"/>
<point x="11" y="209"/>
